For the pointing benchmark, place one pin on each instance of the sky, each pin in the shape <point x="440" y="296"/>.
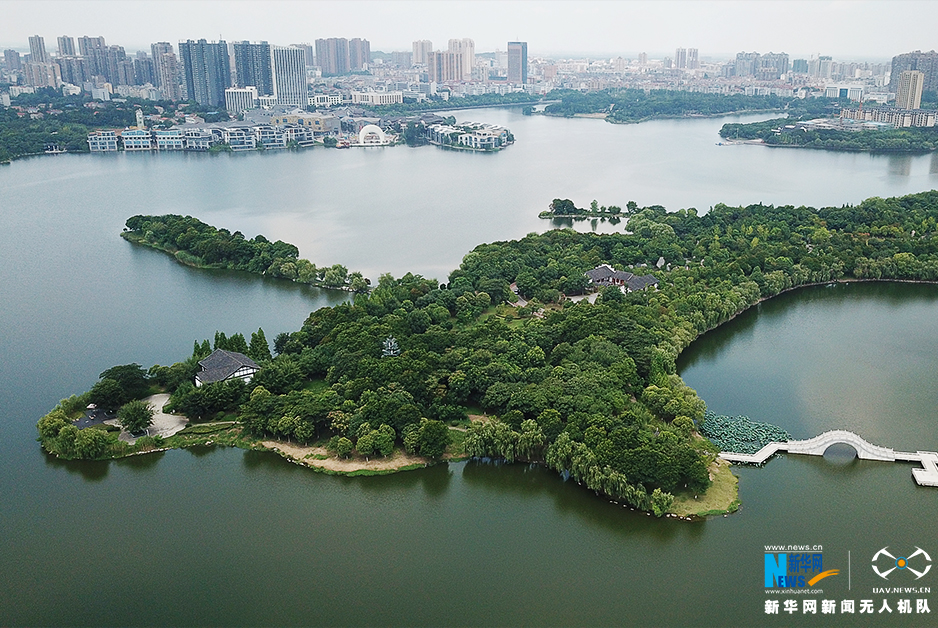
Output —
<point x="844" y="29"/>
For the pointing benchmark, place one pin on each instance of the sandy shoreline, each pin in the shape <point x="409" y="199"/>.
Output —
<point x="312" y="457"/>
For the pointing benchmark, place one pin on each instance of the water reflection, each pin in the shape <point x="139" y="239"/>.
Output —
<point x="89" y="470"/>
<point x="933" y="165"/>
<point x="141" y="463"/>
<point x="900" y="165"/>
<point x="526" y="482"/>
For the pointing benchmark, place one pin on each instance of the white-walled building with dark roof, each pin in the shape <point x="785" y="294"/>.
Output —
<point x="223" y="365"/>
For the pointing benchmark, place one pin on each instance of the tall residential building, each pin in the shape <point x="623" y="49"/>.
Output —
<point x="909" y="91"/>
<point x="680" y="58"/>
<point x="12" y="61"/>
<point x="207" y="71"/>
<point x="443" y="67"/>
<point x="924" y="62"/>
<point x="144" y="70"/>
<point x="166" y="68"/>
<point x="643" y="58"/>
<point x="747" y="63"/>
<point x="693" y="61"/>
<point x="157" y="50"/>
<point x="518" y="62"/>
<point x="66" y="46"/>
<point x="771" y="66"/>
<point x="37" y="50"/>
<point x="289" y="69"/>
<point x="799" y="66"/>
<point x="87" y="44"/>
<point x="466" y="49"/>
<point x="421" y="49"/>
<point x="75" y="70"/>
<point x="252" y="65"/>
<point x="359" y="54"/>
<point x="43" y="75"/>
<point x="309" y="52"/>
<point x="332" y="55"/>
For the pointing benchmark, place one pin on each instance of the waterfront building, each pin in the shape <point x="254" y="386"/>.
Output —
<point x="898" y="118"/>
<point x="102" y="142"/>
<point x="239" y="138"/>
<point x="66" y="46"/>
<point x="136" y="139"/>
<point x="37" y="50"/>
<point x="170" y="139"/>
<point x="518" y="62"/>
<point x="924" y="62"/>
<point x="468" y="135"/>
<point x="289" y="74"/>
<point x="909" y="91"/>
<point x="253" y="66"/>
<point x="240" y="99"/>
<point x="207" y="71"/>
<point x="320" y="124"/>
<point x="421" y="50"/>
<point x="202" y="139"/>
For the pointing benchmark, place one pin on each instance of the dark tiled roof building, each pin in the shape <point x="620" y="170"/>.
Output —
<point x="606" y="275"/>
<point x="223" y="365"/>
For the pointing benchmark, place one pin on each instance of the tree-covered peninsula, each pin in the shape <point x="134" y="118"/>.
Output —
<point x="788" y="132"/>
<point x="589" y="390"/>
<point x="196" y="243"/>
<point x="626" y="106"/>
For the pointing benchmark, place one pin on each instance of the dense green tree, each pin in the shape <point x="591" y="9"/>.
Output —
<point x="259" y="350"/>
<point x="135" y="416"/>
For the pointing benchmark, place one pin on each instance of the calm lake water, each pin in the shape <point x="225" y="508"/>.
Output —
<point x="227" y="537"/>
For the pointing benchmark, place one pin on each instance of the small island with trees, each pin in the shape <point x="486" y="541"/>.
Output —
<point x="434" y="371"/>
<point x="802" y="132"/>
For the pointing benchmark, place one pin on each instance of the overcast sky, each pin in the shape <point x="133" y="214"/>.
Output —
<point x="845" y="29"/>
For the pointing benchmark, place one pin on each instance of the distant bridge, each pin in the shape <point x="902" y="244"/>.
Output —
<point x="925" y="476"/>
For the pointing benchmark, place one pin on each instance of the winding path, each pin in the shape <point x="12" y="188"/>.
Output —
<point x="925" y="476"/>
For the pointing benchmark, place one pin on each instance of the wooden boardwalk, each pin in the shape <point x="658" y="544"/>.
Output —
<point x="927" y="475"/>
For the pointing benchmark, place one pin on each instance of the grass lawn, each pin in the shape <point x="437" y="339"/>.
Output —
<point x="721" y="497"/>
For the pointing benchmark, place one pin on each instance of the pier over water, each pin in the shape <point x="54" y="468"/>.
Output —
<point x="925" y="476"/>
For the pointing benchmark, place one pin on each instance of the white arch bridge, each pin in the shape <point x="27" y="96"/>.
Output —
<point x="925" y="476"/>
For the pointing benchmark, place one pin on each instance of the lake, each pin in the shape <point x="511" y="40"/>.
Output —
<point x="227" y="537"/>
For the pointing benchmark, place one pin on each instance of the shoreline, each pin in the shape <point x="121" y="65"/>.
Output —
<point x="137" y="239"/>
<point x="683" y="116"/>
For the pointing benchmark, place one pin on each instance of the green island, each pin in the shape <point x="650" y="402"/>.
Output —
<point x="194" y="243"/>
<point x="565" y="208"/>
<point x="630" y="106"/>
<point x="788" y="132"/>
<point x="414" y="371"/>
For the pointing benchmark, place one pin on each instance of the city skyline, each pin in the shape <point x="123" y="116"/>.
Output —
<point x="859" y="30"/>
